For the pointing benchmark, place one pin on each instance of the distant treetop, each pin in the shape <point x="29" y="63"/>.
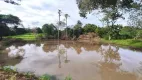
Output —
<point x="15" y="2"/>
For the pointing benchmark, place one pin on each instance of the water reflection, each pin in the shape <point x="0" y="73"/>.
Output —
<point x="110" y="65"/>
<point x="81" y="61"/>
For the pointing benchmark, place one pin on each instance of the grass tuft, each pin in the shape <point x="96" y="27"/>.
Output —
<point x="127" y="42"/>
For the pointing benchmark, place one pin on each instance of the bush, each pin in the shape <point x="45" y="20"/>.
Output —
<point x="39" y="36"/>
<point x="45" y="77"/>
<point x="139" y="34"/>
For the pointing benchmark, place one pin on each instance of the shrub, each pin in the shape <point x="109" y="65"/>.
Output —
<point x="68" y="78"/>
<point x="139" y="34"/>
<point x="45" y="77"/>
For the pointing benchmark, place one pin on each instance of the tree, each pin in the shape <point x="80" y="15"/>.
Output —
<point x="101" y="31"/>
<point x="139" y="34"/>
<point x="4" y="29"/>
<point x="5" y="20"/>
<point x="110" y="17"/>
<point x="86" y="6"/>
<point x="50" y="30"/>
<point x="114" y="32"/>
<point x="10" y="19"/>
<point x="69" y="32"/>
<point x="38" y="30"/>
<point x="79" y="23"/>
<point x="135" y="18"/>
<point x="89" y="28"/>
<point x="66" y="16"/>
<point x="78" y="29"/>
<point x="128" y="32"/>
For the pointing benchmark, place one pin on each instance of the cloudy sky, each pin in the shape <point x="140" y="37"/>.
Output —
<point x="35" y="13"/>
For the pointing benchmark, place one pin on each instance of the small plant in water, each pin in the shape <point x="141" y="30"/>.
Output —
<point x="45" y="77"/>
<point x="9" y="69"/>
<point x="28" y="75"/>
<point x="68" y="78"/>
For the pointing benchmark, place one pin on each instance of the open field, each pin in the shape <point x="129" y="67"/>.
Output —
<point x="28" y="36"/>
<point x="127" y="42"/>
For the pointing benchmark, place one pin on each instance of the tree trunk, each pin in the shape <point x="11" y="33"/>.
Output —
<point x="1" y="38"/>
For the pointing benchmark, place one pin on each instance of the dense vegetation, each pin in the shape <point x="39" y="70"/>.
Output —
<point x="50" y="30"/>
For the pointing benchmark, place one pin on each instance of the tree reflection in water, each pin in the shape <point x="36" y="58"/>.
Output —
<point x="139" y="70"/>
<point x="61" y="52"/>
<point x="110" y="65"/>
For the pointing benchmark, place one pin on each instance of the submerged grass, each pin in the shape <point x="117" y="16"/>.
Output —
<point x="128" y="42"/>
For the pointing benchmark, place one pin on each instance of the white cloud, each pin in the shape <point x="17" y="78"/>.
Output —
<point x="35" y="13"/>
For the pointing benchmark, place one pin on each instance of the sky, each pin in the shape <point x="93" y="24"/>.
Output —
<point x="35" y="13"/>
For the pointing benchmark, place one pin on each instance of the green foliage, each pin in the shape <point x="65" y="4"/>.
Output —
<point x="69" y="32"/>
<point x="127" y="32"/>
<point x="9" y="69"/>
<point x="139" y="34"/>
<point x="27" y="36"/>
<point x="7" y="19"/>
<point x="101" y="31"/>
<point x="68" y="78"/>
<point x="135" y="18"/>
<point x="38" y="30"/>
<point x="39" y="36"/>
<point x="28" y="75"/>
<point x="45" y="77"/>
<point x="4" y="30"/>
<point x="113" y="32"/>
<point x="19" y="31"/>
<point x="89" y="28"/>
<point x="86" y="6"/>
<point x="78" y="30"/>
<point x="49" y="30"/>
<point x="127" y="42"/>
<point x="110" y="16"/>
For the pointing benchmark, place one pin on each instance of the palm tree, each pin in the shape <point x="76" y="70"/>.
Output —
<point x="66" y="16"/>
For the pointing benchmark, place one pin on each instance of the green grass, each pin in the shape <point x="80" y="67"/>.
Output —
<point x="127" y="42"/>
<point x="28" y="36"/>
<point x="11" y="74"/>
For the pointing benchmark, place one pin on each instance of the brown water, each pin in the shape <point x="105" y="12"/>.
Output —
<point x="80" y="61"/>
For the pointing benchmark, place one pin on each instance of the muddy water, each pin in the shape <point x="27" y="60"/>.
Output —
<point x="80" y="61"/>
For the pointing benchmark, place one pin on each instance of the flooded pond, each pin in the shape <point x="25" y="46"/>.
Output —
<point x="80" y="61"/>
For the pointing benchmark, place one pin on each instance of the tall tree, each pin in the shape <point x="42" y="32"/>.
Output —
<point x="86" y="6"/>
<point x="4" y="29"/>
<point x="110" y="17"/>
<point x="66" y="16"/>
<point x="50" y="30"/>
<point x="78" y="29"/>
<point x="10" y="19"/>
<point x="135" y="18"/>
<point x="5" y="20"/>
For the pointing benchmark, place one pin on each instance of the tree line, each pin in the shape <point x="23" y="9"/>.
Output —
<point x="50" y="30"/>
